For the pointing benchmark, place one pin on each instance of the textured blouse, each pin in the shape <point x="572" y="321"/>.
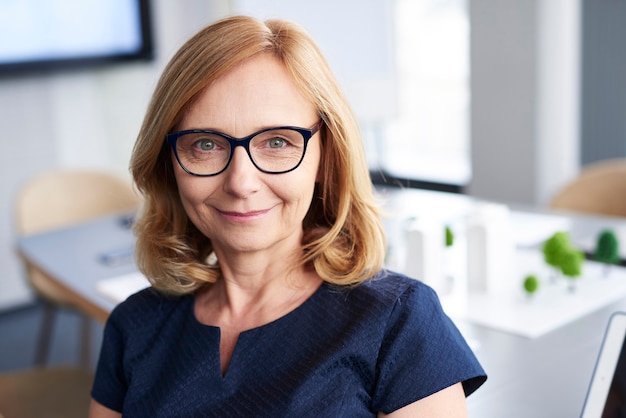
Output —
<point x="345" y="352"/>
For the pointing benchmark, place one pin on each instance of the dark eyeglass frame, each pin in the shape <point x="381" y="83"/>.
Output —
<point x="307" y="134"/>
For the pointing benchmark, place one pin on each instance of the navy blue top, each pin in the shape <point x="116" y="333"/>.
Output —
<point x="345" y="352"/>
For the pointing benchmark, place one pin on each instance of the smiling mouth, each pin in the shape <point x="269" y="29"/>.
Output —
<point x="244" y="215"/>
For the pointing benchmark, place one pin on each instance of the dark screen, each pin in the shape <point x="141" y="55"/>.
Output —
<point x="615" y="406"/>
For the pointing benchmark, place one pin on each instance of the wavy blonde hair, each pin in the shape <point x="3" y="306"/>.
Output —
<point x="343" y="235"/>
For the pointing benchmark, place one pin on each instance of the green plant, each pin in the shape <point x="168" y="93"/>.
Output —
<point x="571" y="265"/>
<point x="607" y="249"/>
<point x="449" y="237"/>
<point x="531" y="284"/>
<point x="555" y="248"/>
<point x="560" y="254"/>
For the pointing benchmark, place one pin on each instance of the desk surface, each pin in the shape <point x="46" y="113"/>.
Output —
<point x="80" y="256"/>
<point x="540" y="377"/>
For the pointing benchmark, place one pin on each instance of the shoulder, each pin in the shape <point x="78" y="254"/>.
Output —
<point x="386" y="299"/>
<point x="131" y="331"/>
<point x="388" y="281"/>
<point x="391" y="289"/>
<point x="416" y="333"/>
<point x="146" y="308"/>
<point x="408" y="300"/>
<point x="145" y="300"/>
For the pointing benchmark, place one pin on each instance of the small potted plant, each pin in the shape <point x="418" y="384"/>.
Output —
<point x="607" y="250"/>
<point x="531" y="284"/>
<point x="571" y="266"/>
<point x="554" y="250"/>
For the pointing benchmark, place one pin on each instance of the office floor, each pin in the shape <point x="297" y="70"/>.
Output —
<point x="19" y="328"/>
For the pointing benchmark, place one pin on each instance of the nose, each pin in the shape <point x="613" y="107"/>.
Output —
<point x="241" y="177"/>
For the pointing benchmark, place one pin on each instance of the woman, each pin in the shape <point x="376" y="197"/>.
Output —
<point x="264" y="248"/>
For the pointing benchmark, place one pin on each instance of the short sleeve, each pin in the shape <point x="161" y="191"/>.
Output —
<point x="110" y="386"/>
<point x="422" y="353"/>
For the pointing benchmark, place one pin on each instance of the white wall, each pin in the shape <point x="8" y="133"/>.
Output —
<point x="558" y="90"/>
<point x="28" y="146"/>
<point x="360" y="55"/>
<point x="525" y="66"/>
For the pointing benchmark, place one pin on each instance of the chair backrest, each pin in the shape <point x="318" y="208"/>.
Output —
<point x="63" y="197"/>
<point x="45" y="392"/>
<point x="599" y="189"/>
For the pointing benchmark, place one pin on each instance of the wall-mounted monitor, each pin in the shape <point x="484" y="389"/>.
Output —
<point x="51" y="35"/>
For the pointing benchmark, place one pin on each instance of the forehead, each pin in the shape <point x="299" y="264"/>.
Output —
<point x="257" y="93"/>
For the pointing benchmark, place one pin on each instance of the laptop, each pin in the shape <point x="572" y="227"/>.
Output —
<point x="606" y="396"/>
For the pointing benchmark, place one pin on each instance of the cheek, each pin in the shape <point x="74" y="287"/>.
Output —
<point x="308" y="178"/>
<point x="190" y="189"/>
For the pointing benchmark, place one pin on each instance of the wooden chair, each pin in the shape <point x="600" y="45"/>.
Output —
<point x="62" y="392"/>
<point x="57" y="199"/>
<point x="599" y="189"/>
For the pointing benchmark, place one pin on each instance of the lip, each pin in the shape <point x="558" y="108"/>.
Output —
<point x="235" y="216"/>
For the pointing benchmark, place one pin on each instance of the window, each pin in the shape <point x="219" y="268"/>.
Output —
<point x="428" y="139"/>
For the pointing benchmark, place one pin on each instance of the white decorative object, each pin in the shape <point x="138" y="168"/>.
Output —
<point x="490" y="247"/>
<point x="121" y="287"/>
<point x="425" y="245"/>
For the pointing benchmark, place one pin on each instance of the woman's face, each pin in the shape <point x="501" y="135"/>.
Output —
<point x="243" y="209"/>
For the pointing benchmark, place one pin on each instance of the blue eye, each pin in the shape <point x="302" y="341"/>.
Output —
<point x="206" y="144"/>
<point x="276" y="142"/>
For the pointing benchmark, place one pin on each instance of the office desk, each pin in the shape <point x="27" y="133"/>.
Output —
<point x="79" y="256"/>
<point x="528" y="378"/>
<point x="544" y="377"/>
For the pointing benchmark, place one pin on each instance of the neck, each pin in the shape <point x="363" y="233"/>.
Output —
<point x="248" y="297"/>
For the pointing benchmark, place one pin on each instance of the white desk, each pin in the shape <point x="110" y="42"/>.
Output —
<point x="80" y="256"/>
<point x="539" y="377"/>
<point x="528" y="377"/>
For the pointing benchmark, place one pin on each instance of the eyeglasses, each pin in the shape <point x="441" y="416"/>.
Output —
<point x="273" y="150"/>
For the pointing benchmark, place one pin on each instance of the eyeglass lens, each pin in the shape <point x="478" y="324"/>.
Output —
<point x="274" y="151"/>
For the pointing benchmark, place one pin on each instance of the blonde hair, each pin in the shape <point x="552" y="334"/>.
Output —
<point x="343" y="235"/>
